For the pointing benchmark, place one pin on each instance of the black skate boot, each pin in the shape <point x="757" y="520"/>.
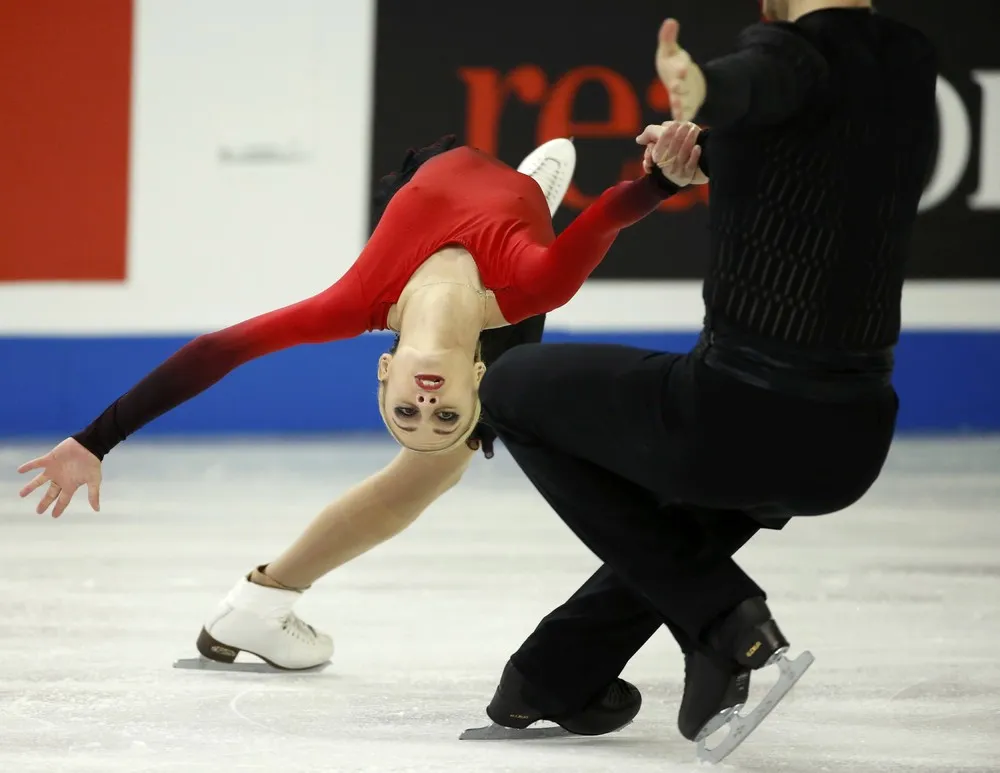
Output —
<point x="717" y="681"/>
<point x="518" y="704"/>
<point x="713" y="690"/>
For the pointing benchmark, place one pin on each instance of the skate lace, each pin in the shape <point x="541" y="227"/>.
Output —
<point x="547" y="175"/>
<point x="295" y="626"/>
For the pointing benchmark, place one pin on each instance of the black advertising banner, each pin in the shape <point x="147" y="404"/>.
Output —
<point x="958" y="235"/>
<point x="506" y="77"/>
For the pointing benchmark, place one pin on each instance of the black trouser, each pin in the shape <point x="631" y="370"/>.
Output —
<point x="664" y="468"/>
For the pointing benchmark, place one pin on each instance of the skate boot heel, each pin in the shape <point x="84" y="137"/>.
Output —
<point x="615" y="708"/>
<point x="258" y="620"/>
<point x="514" y="720"/>
<point x="734" y="700"/>
<point x="761" y="645"/>
<point x="215" y="650"/>
<point x="511" y="707"/>
<point x="751" y="637"/>
<point x="713" y="691"/>
<point x="517" y="705"/>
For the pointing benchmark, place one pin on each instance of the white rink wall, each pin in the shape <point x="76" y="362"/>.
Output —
<point x="249" y="179"/>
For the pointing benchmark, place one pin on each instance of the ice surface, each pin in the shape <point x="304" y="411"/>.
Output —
<point x="898" y="598"/>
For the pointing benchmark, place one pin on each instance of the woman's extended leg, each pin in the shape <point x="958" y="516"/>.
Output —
<point x="257" y="617"/>
<point x="371" y="512"/>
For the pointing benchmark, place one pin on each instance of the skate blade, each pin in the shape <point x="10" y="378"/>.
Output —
<point x="496" y="732"/>
<point x="718" y="722"/>
<point x="740" y="726"/>
<point x="204" y="664"/>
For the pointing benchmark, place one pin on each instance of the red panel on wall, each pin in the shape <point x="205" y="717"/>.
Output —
<point x="65" y="104"/>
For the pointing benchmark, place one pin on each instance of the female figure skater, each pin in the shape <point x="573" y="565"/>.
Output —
<point x="464" y="250"/>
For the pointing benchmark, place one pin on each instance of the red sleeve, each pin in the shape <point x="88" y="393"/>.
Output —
<point x="548" y="277"/>
<point x="339" y="312"/>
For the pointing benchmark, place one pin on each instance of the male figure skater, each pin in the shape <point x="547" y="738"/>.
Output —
<point x="663" y="464"/>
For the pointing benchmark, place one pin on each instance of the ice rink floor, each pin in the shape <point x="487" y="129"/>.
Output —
<point x="898" y="598"/>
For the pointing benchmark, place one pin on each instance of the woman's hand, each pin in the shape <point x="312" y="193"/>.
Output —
<point x="65" y="468"/>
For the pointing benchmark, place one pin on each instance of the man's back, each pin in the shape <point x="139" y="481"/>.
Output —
<point x="812" y="214"/>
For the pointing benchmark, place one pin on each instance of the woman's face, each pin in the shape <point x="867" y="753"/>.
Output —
<point x="429" y="397"/>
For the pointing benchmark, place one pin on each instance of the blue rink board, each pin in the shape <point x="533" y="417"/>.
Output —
<point x="948" y="382"/>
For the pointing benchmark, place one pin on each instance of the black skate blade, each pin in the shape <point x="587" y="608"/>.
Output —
<point x="496" y="732"/>
<point x="741" y="726"/>
<point x="256" y="667"/>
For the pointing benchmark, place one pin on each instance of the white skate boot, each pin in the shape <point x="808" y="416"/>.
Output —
<point x="551" y="165"/>
<point x="259" y="621"/>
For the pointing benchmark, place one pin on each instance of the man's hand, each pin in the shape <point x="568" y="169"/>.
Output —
<point x="673" y="147"/>
<point x="682" y="78"/>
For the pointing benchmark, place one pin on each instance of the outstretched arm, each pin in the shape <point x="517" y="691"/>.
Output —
<point x="549" y="277"/>
<point x="338" y="312"/>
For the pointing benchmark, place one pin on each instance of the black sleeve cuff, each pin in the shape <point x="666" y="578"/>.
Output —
<point x="703" y="144"/>
<point x="100" y="436"/>
<point x="664" y="187"/>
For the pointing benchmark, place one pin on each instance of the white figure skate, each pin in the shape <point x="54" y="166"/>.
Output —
<point x="551" y="165"/>
<point x="259" y="621"/>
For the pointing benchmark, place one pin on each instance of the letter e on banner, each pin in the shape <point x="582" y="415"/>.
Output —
<point x="556" y="119"/>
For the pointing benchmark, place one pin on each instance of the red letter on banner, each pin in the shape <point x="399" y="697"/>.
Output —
<point x="486" y="93"/>
<point x="556" y="119"/>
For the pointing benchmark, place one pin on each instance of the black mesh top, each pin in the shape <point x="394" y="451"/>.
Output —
<point x="822" y="138"/>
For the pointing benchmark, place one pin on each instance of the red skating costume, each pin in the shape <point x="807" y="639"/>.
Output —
<point x="461" y="197"/>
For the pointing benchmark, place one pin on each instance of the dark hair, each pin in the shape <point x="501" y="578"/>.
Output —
<point x="391" y="183"/>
